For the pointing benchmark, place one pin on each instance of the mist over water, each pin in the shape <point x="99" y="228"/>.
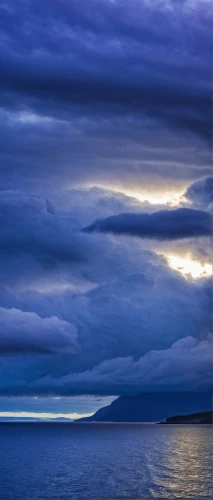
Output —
<point x="105" y="460"/>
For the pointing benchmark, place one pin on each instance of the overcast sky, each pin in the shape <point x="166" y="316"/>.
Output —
<point x="105" y="201"/>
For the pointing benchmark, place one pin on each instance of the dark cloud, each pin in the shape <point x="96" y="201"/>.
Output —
<point x="29" y="225"/>
<point x="35" y="239"/>
<point x="123" y="154"/>
<point x="26" y="332"/>
<point x="140" y="305"/>
<point x="100" y="100"/>
<point x="201" y="192"/>
<point x="104" y="94"/>
<point x="82" y="300"/>
<point x="169" y="225"/>
<point x="62" y="56"/>
<point x="186" y="363"/>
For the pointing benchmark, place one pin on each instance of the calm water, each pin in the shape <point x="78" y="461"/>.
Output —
<point x="82" y="461"/>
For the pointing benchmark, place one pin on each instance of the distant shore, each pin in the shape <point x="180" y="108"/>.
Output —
<point x="203" y="418"/>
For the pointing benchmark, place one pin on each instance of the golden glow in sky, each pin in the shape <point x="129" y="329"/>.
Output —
<point x="191" y="267"/>
<point x="166" y="198"/>
<point x="172" y="198"/>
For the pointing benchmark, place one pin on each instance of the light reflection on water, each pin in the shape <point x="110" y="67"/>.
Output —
<point x="186" y="465"/>
<point x="91" y="461"/>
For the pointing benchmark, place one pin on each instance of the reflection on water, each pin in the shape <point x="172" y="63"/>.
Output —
<point x="185" y="466"/>
<point x="91" y="461"/>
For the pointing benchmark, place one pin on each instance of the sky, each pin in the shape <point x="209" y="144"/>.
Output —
<point x="106" y="196"/>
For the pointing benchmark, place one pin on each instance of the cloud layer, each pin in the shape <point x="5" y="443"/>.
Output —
<point x="201" y="192"/>
<point x="168" y="225"/>
<point x="105" y="112"/>
<point x="122" y="34"/>
<point x="105" y="98"/>
<point x="116" y="310"/>
<point x="156" y="371"/>
<point x="26" y="332"/>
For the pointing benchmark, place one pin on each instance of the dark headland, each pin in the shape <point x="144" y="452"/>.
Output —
<point x="155" y="407"/>
<point x="195" y="418"/>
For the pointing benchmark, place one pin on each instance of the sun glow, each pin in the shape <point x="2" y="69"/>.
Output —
<point x="190" y="267"/>
<point x="171" y="199"/>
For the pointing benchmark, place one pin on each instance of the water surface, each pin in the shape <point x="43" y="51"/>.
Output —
<point x="105" y="460"/>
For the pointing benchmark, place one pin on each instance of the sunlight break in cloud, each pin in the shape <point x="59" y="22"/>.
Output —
<point x="190" y="267"/>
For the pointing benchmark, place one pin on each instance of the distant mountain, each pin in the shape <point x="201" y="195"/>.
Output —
<point x="61" y="419"/>
<point x="32" y="419"/>
<point x="195" y="418"/>
<point x="152" y="407"/>
<point x="18" y="419"/>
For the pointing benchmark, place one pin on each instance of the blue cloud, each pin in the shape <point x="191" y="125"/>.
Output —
<point x="201" y="192"/>
<point x="163" y="225"/>
<point x="26" y="332"/>
<point x="103" y="94"/>
<point x="108" y="62"/>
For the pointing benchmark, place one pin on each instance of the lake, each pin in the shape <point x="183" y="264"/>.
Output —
<point x="105" y="460"/>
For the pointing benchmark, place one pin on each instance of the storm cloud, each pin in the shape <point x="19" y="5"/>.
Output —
<point x="105" y="180"/>
<point x="29" y="333"/>
<point x="187" y="364"/>
<point x="122" y="36"/>
<point x="155" y="371"/>
<point x="200" y="193"/>
<point x="95" y="92"/>
<point x="137" y="305"/>
<point x="73" y="302"/>
<point x="168" y="225"/>
<point x="28" y="225"/>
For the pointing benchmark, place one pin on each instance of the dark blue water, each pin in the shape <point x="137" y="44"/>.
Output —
<point x="84" y="461"/>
